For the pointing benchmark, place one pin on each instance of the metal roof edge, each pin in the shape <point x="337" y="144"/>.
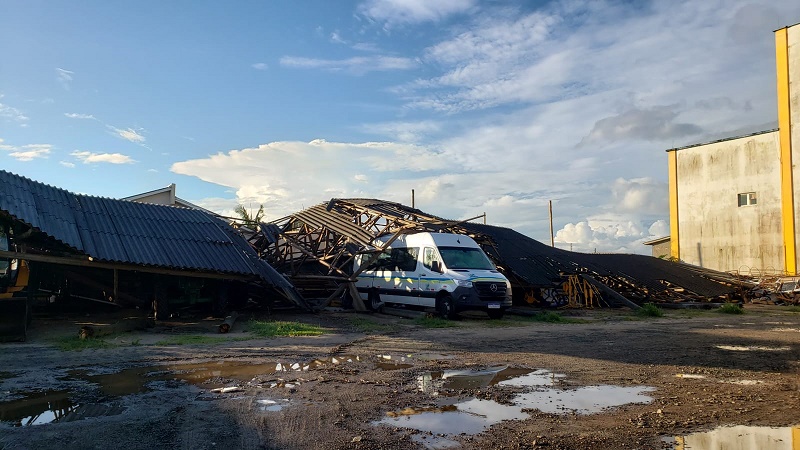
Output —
<point x="149" y="193"/>
<point x="732" y="138"/>
<point x="657" y="240"/>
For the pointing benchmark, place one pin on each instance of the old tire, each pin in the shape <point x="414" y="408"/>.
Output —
<point x="447" y="308"/>
<point x="495" y="313"/>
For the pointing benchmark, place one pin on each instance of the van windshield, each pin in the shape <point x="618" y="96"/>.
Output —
<point x="465" y="258"/>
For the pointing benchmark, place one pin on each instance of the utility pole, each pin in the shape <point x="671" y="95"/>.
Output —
<point x="552" y="238"/>
<point x="412" y="199"/>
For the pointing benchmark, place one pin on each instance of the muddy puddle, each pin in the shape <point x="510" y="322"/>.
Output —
<point x="752" y="348"/>
<point x="445" y="382"/>
<point x="468" y="417"/>
<point x="139" y="379"/>
<point x="471" y="416"/>
<point x="36" y="408"/>
<point x="738" y="437"/>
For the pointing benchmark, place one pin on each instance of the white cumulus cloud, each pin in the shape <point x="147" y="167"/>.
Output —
<point x="111" y="158"/>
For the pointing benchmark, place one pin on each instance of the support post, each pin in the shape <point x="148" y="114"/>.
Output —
<point x="552" y="238"/>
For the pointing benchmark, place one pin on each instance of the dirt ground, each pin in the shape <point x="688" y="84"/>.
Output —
<point x="702" y="369"/>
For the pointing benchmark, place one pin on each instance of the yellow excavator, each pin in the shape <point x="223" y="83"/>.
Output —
<point x="15" y="313"/>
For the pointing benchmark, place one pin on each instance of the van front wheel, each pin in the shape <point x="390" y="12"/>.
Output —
<point x="374" y="302"/>
<point x="447" y="307"/>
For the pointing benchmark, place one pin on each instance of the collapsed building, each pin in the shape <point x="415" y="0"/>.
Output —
<point x="121" y="252"/>
<point x="315" y="248"/>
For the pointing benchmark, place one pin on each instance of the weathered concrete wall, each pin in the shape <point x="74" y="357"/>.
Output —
<point x="661" y="250"/>
<point x="714" y="231"/>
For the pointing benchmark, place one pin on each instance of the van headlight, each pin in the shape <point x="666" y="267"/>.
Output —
<point x="464" y="283"/>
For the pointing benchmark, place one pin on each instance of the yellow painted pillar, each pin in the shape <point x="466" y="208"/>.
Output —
<point x="785" y="137"/>
<point x="674" y="245"/>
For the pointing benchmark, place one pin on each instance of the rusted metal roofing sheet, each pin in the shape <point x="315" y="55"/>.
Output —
<point x="132" y="233"/>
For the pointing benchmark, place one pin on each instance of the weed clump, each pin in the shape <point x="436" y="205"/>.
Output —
<point x="649" y="310"/>
<point x="75" y="343"/>
<point x="730" y="308"/>
<point x="279" y="328"/>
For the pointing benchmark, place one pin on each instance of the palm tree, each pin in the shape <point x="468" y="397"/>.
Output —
<point x="250" y="220"/>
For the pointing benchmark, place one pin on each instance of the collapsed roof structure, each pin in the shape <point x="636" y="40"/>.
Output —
<point x="54" y="226"/>
<point x="314" y="248"/>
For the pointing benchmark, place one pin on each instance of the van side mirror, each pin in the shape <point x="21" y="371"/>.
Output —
<point x="436" y="266"/>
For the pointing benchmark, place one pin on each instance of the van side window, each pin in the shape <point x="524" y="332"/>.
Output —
<point x="404" y="259"/>
<point x="382" y="262"/>
<point x="429" y="255"/>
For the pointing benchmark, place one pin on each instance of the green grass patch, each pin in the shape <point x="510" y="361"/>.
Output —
<point x="277" y="328"/>
<point x="74" y="343"/>
<point x="365" y="325"/>
<point x="730" y="308"/>
<point x="649" y="310"/>
<point x="191" y="339"/>
<point x="435" y="322"/>
<point x="792" y="309"/>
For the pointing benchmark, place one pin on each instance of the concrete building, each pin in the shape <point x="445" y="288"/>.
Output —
<point x="733" y="203"/>
<point x="164" y="196"/>
<point x="660" y="247"/>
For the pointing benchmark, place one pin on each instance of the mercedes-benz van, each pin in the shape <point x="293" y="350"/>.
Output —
<point x="448" y="272"/>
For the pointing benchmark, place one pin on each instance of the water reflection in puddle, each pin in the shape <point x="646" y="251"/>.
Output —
<point x="739" y="438"/>
<point x="36" y="408"/>
<point x="39" y="408"/>
<point x="583" y="400"/>
<point x="137" y="379"/>
<point x="470" y="417"/>
<point x="748" y="348"/>
<point x="389" y="362"/>
<point x="268" y="405"/>
<point x="454" y="380"/>
<point x="474" y="415"/>
<point x="53" y="406"/>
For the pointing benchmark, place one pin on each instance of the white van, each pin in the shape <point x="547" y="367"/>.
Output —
<point x="448" y="272"/>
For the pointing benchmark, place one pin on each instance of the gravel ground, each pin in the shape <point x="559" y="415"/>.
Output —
<point x="658" y="378"/>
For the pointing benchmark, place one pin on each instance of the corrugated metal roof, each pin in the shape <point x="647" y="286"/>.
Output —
<point x="318" y="216"/>
<point x="119" y="231"/>
<point x="541" y="265"/>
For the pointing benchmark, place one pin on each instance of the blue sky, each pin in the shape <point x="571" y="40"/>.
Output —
<point x="480" y="106"/>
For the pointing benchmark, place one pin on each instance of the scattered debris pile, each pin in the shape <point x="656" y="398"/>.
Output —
<point x="772" y="289"/>
<point x="314" y="248"/>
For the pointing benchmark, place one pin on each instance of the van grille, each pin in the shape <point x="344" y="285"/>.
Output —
<point x="484" y="289"/>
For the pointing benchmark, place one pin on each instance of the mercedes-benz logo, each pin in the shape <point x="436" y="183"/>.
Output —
<point x="493" y="287"/>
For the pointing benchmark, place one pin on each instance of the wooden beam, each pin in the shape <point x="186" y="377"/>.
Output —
<point x="85" y="261"/>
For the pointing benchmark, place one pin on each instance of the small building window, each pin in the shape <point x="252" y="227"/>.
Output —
<point x="747" y="198"/>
